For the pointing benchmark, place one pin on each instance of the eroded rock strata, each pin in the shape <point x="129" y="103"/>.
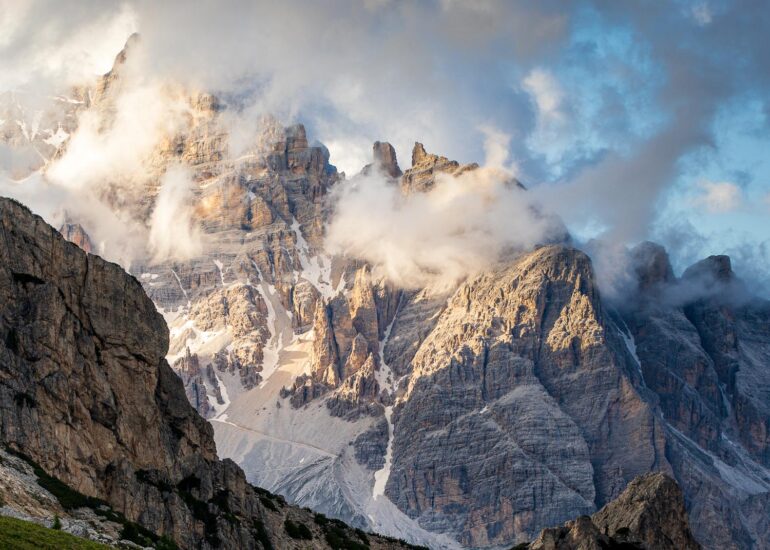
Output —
<point x="87" y="397"/>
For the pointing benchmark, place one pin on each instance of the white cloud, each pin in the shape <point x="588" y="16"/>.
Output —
<point x="718" y="197"/>
<point x="552" y="134"/>
<point x="114" y="147"/>
<point x="458" y="228"/>
<point x="702" y="14"/>
<point x="547" y="94"/>
<point x="496" y="150"/>
<point x="43" y="43"/>
<point x="174" y="233"/>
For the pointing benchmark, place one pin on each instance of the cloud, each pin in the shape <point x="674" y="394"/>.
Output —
<point x="458" y="228"/>
<point x="114" y="144"/>
<point x="116" y="234"/>
<point x="548" y="96"/>
<point x="718" y="197"/>
<point x="46" y="45"/>
<point x="174" y="233"/>
<point x="701" y="13"/>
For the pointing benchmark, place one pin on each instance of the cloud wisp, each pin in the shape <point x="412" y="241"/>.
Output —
<point x="459" y="227"/>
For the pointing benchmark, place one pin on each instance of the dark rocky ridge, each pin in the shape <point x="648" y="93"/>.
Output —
<point x="85" y="393"/>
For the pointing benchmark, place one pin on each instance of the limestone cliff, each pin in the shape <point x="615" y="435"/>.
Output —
<point x="87" y="398"/>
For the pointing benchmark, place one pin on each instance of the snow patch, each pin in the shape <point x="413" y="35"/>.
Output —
<point x="317" y="270"/>
<point x="271" y="351"/>
<point x="179" y="282"/>
<point x="381" y="476"/>
<point x="384" y="377"/>
<point x="56" y="139"/>
<point x="630" y="342"/>
<point x="195" y="343"/>
<point x="220" y="267"/>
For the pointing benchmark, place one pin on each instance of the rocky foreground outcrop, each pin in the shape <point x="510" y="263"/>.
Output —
<point x="648" y="515"/>
<point x="88" y="401"/>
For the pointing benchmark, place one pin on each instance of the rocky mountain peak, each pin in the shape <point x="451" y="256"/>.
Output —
<point x="384" y="159"/>
<point x="716" y="268"/>
<point x="131" y="42"/>
<point x="75" y="233"/>
<point x="649" y="514"/>
<point x="107" y="85"/>
<point x="651" y="265"/>
<point x="419" y="154"/>
<point x="421" y="176"/>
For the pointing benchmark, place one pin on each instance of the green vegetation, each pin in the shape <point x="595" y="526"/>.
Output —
<point x="70" y="499"/>
<point x="321" y="519"/>
<point x="297" y="530"/>
<point x="56" y="523"/>
<point x="25" y="535"/>
<point x="338" y="535"/>
<point x="260" y="533"/>
<point x="269" y="500"/>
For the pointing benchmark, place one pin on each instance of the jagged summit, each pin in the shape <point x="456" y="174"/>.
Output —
<point x="651" y="265"/>
<point x="717" y="268"/>
<point x="75" y="233"/>
<point x="421" y="176"/>
<point x="384" y="159"/>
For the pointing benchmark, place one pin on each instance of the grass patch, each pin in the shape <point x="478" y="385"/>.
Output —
<point x="25" y="535"/>
<point x="70" y="499"/>
<point x="339" y="538"/>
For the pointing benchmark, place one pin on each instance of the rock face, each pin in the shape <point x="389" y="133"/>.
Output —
<point x="648" y="515"/>
<point x="86" y="393"/>
<point x="513" y="359"/>
<point x="704" y="350"/>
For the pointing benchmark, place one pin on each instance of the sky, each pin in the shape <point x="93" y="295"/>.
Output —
<point x="631" y="120"/>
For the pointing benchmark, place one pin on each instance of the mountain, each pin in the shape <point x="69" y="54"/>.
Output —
<point x="365" y="391"/>
<point x="648" y="514"/>
<point x="473" y="416"/>
<point x="96" y="427"/>
<point x="93" y="413"/>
